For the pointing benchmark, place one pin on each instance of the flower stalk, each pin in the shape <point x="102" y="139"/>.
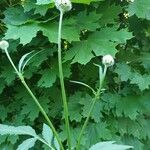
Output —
<point x="64" y="98"/>
<point x="107" y="61"/>
<point x="63" y="6"/>
<point x="21" y="77"/>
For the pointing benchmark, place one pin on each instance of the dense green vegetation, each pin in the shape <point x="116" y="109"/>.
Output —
<point x="92" y="29"/>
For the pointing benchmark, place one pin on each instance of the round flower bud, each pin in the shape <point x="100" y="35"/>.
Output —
<point x="108" y="60"/>
<point x="63" y="5"/>
<point x="4" y="44"/>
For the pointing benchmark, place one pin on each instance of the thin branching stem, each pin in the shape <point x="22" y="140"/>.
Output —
<point x="64" y="98"/>
<point x="102" y="75"/>
<point x="84" y="84"/>
<point x="35" y="100"/>
<point x="43" y="112"/>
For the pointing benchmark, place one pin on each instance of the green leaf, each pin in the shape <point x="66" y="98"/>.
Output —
<point x="121" y="69"/>
<point x="109" y="145"/>
<point x="75" y="108"/>
<point x="136" y="143"/>
<point x="3" y="113"/>
<point x="49" y="29"/>
<point x="81" y="51"/>
<point x="23" y="32"/>
<point x="50" y="75"/>
<point x="2" y="85"/>
<point x="15" y="16"/>
<point x="47" y="134"/>
<point x="129" y="106"/>
<point x="97" y="131"/>
<point x="69" y="31"/>
<point x="30" y="108"/>
<point x="87" y="102"/>
<point x="22" y="62"/>
<point x="8" y="74"/>
<point x="141" y="8"/>
<point x="56" y="144"/>
<point x="47" y="79"/>
<point x="101" y="43"/>
<point x="74" y="136"/>
<point x="21" y="130"/>
<point x="49" y="138"/>
<point x="109" y="13"/>
<point x="43" y="2"/>
<point x="143" y="81"/>
<point x="88" y="21"/>
<point x="27" y="144"/>
<point x="38" y="9"/>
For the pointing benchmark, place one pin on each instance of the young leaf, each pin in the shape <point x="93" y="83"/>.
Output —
<point x="109" y="145"/>
<point x="21" y="130"/>
<point x="21" y="62"/>
<point x="27" y="144"/>
<point x="25" y="63"/>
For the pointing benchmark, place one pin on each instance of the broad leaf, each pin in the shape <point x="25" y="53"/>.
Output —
<point x="141" y="8"/>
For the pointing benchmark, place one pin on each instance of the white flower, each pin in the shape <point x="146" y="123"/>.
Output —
<point x="63" y="5"/>
<point x="108" y="60"/>
<point x="4" y="44"/>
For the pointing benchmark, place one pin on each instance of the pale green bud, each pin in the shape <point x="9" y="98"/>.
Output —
<point x="4" y="44"/>
<point x="63" y="5"/>
<point x="108" y="60"/>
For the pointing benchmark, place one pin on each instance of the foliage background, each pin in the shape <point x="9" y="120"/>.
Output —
<point x="93" y="28"/>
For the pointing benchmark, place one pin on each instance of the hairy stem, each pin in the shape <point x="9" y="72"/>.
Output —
<point x="62" y="82"/>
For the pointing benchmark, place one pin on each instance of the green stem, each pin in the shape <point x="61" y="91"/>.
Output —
<point x="85" y="124"/>
<point x="35" y="100"/>
<point x="62" y="83"/>
<point x="102" y="75"/>
<point x="42" y="111"/>
<point x="9" y="58"/>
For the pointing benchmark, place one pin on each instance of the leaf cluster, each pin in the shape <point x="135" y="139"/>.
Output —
<point x="92" y="29"/>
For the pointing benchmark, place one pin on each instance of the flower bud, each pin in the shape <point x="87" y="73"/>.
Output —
<point x="108" y="60"/>
<point x="63" y="5"/>
<point x="4" y="44"/>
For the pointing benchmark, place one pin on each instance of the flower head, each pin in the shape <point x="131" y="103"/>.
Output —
<point x="63" y="5"/>
<point x="4" y="44"/>
<point x="108" y="60"/>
